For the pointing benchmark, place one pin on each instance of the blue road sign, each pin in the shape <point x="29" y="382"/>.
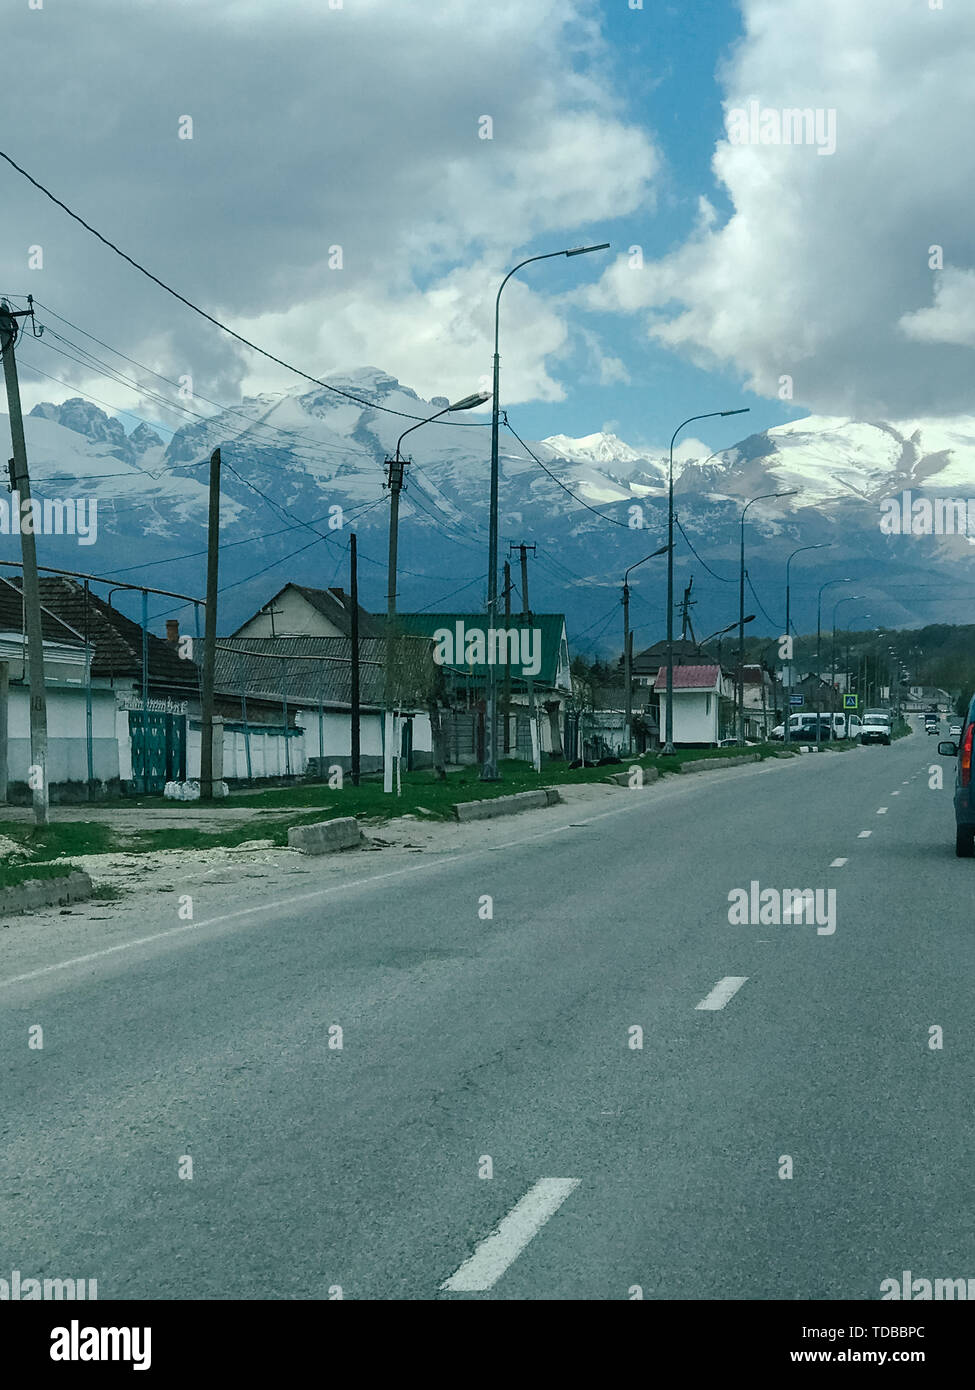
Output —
<point x="797" y="699"/>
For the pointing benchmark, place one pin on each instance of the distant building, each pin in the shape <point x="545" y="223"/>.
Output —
<point x="704" y="704"/>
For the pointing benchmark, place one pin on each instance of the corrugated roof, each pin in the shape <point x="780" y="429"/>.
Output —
<point x="689" y="678"/>
<point x="12" y="615"/>
<point x="307" y="670"/>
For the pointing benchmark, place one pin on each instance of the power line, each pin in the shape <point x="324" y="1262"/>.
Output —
<point x="562" y="485"/>
<point x="348" y="395"/>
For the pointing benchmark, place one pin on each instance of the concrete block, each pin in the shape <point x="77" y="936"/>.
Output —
<point x="327" y="836"/>
<point x="506" y="805"/>
<point x="622" y="779"/>
<point x="703" y="764"/>
<point x="36" y="893"/>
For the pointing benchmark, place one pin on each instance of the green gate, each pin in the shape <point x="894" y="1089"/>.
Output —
<point x="158" y="749"/>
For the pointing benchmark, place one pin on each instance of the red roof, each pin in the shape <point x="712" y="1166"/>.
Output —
<point x="689" y="677"/>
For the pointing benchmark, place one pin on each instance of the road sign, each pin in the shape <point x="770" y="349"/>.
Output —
<point x="850" y="701"/>
<point x="797" y="699"/>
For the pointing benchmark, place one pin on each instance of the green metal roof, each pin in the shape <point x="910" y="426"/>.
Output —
<point x="548" y="626"/>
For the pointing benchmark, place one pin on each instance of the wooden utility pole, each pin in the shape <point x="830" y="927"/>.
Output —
<point x="526" y="618"/>
<point x="354" y="634"/>
<point x="210" y="632"/>
<point x="396" y="467"/>
<point x="20" y="487"/>
<point x="506" y="687"/>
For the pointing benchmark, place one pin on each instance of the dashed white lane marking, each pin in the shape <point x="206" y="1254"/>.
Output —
<point x="881" y="810"/>
<point x="906" y="783"/>
<point x="864" y="834"/>
<point x="896" y="793"/>
<point x="723" y="991"/>
<point x="496" y="1252"/>
<point x="837" y="863"/>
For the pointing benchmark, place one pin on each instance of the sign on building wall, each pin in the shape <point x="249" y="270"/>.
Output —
<point x="166" y="706"/>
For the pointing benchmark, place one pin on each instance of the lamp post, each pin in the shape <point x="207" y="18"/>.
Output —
<point x="750" y="618"/>
<point x="855" y="619"/>
<point x="627" y="674"/>
<point x="711" y="415"/>
<point x="848" y="598"/>
<point x="824" y="545"/>
<point x="489" y="770"/>
<point x="819" y="633"/>
<point x="395" y="467"/>
<point x="741" y="608"/>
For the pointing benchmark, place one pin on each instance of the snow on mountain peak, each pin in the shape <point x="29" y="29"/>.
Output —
<point x="593" y="448"/>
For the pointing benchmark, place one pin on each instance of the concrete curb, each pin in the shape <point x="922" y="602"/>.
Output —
<point x="622" y="779"/>
<point x="73" y="887"/>
<point x="702" y="764"/>
<point x="506" y="805"/>
<point x="327" y="836"/>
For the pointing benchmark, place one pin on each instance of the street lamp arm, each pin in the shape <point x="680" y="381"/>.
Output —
<point x="417" y="426"/>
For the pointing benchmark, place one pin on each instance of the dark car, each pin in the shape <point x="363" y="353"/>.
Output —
<point x="964" y="788"/>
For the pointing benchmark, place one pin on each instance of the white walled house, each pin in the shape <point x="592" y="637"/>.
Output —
<point x="703" y="704"/>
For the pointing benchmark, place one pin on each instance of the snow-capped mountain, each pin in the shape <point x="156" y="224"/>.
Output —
<point x="291" y="459"/>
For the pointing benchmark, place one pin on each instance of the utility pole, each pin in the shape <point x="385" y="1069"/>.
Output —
<point x="354" y="633"/>
<point x="687" y="603"/>
<point x="210" y="632"/>
<point x="396" y="467"/>
<point x="506" y="687"/>
<point x="526" y="618"/>
<point x="20" y="487"/>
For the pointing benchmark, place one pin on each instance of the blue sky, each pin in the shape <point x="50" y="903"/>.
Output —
<point x="665" y="74"/>
<point x="759" y="260"/>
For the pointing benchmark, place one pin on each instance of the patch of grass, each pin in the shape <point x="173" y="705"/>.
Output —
<point x="107" y="893"/>
<point x="13" y="874"/>
<point x="61" y="839"/>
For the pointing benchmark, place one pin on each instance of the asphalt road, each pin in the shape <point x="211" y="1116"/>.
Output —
<point x="466" y="1039"/>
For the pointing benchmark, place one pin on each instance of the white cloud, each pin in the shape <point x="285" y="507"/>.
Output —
<point x="312" y="128"/>
<point x="821" y="271"/>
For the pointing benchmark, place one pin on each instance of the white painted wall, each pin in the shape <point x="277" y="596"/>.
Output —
<point x="695" y="715"/>
<point x="67" y="755"/>
<point x="293" y="616"/>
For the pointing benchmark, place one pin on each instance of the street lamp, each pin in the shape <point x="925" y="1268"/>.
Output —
<point x="627" y="677"/>
<point x="849" y="598"/>
<point x="396" y="467"/>
<point x="489" y="771"/>
<point x="711" y="415"/>
<point x="741" y="608"/>
<point x="819" y="626"/>
<point x="823" y="545"/>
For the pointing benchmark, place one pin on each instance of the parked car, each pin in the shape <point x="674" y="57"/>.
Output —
<point x="964" y="789"/>
<point x="802" y="728"/>
<point x="875" y="729"/>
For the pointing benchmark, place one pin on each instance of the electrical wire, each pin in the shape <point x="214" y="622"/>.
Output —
<point x="348" y="395"/>
<point x="564" y="486"/>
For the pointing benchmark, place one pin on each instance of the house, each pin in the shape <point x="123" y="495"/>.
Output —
<point x="647" y="663"/>
<point x="286" y="704"/>
<point x="297" y="610"/>
<point x="762" y="701"/>
<point x="152" y="686"/>
<point x="704" y="705"/>
<point x="535" y="673"/>
<point x="81" y="749"/>
<point x="926" y="697"/>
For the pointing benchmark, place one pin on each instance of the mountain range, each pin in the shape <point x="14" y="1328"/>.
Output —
<point x="592" y="506"/>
